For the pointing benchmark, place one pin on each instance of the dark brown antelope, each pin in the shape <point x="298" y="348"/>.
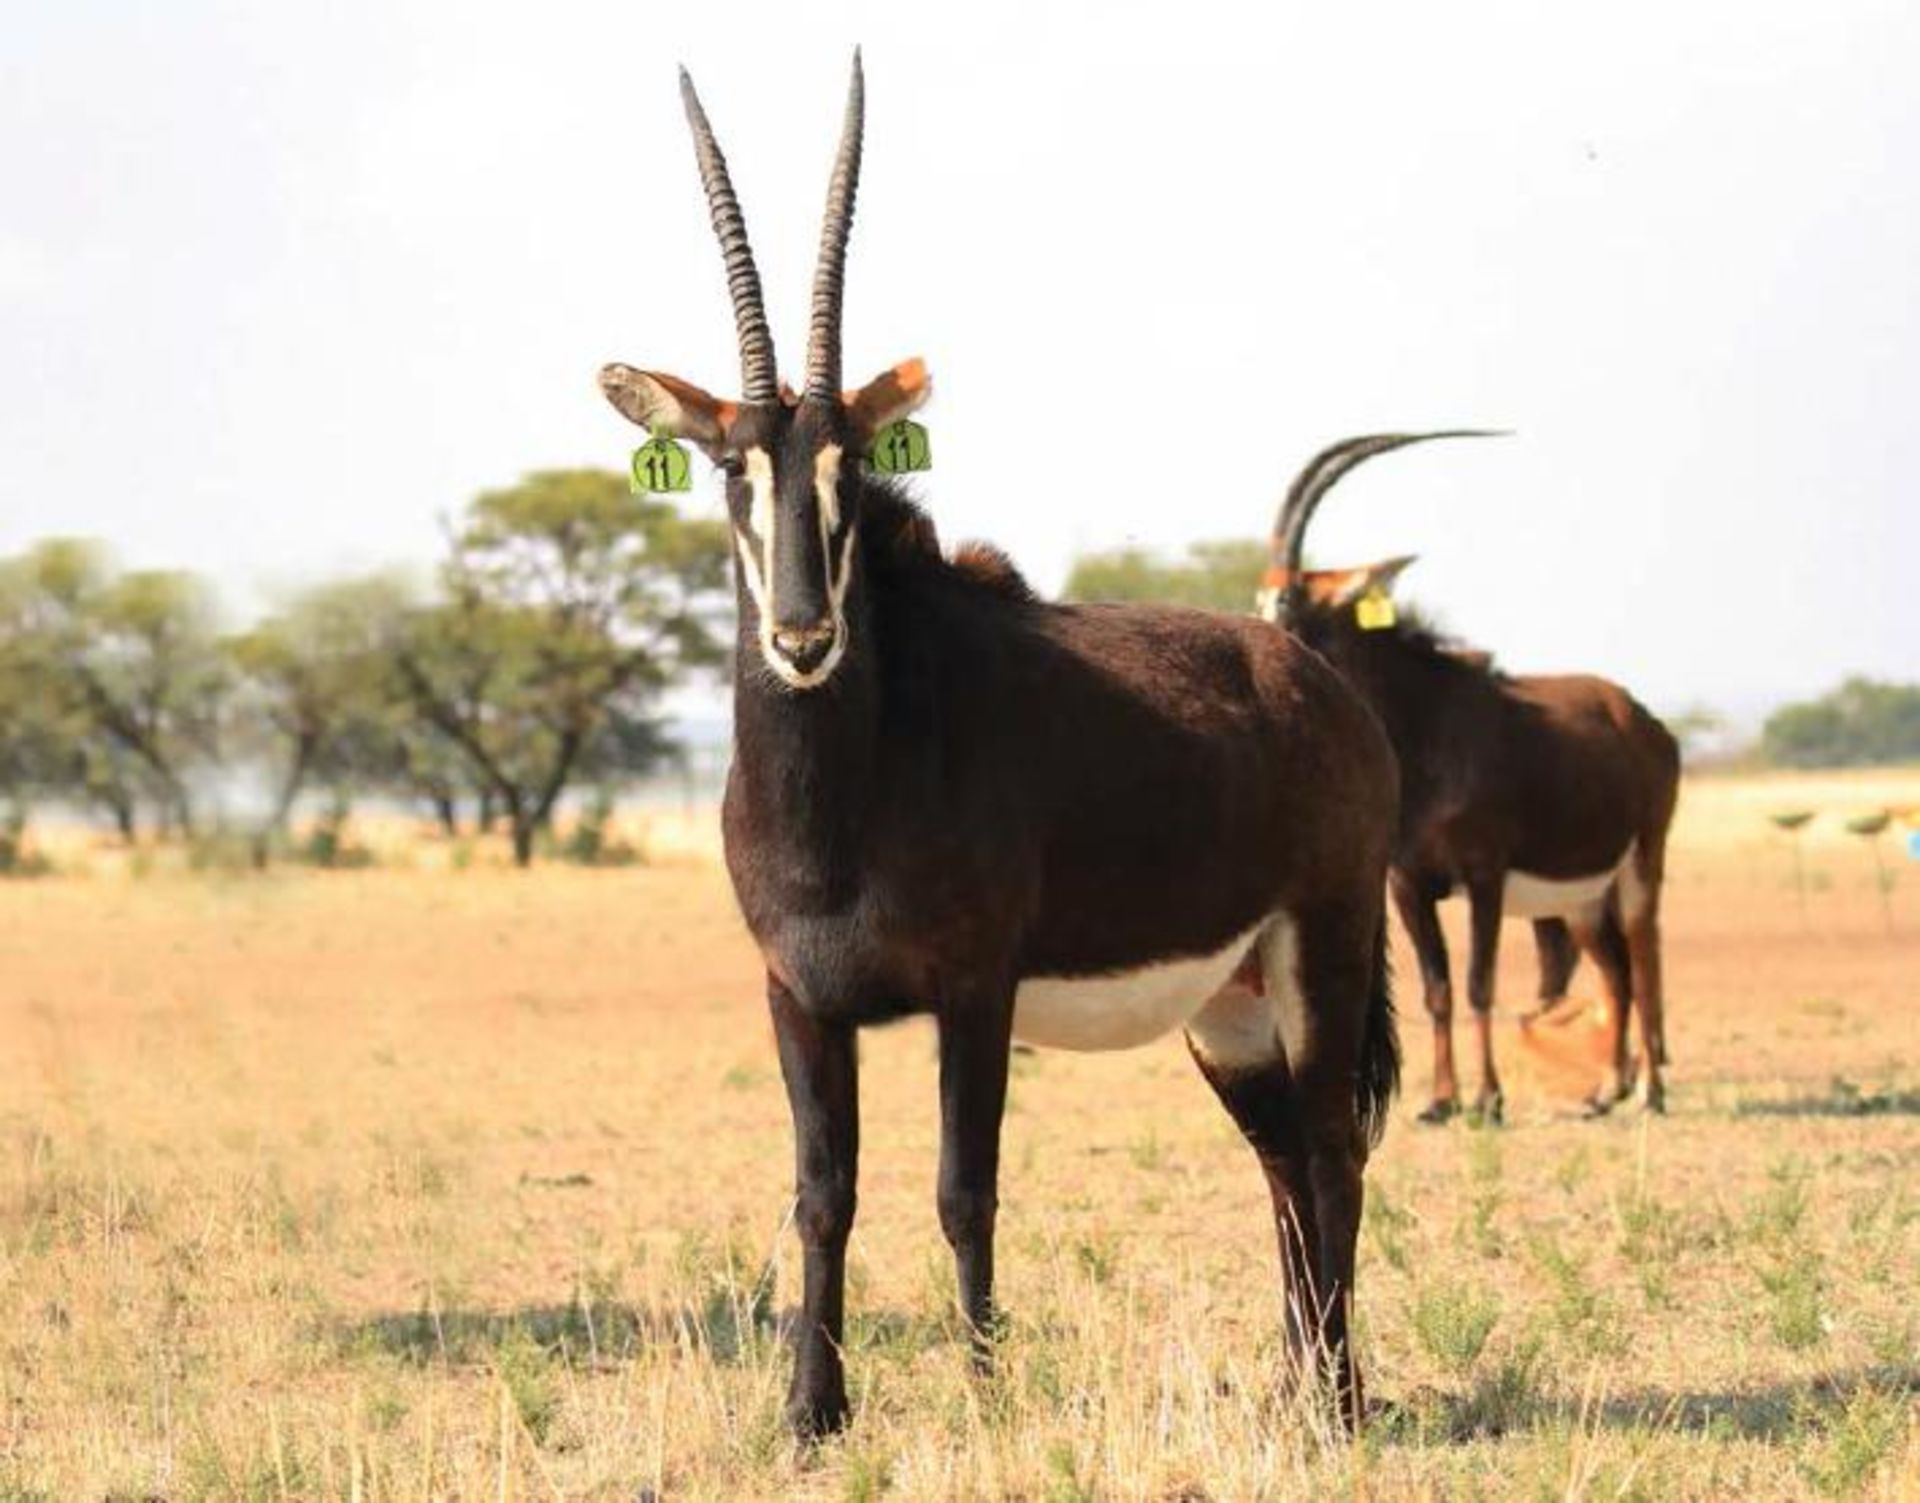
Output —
<point x="1547" y="797"/>
<point x="1079" y="826"/>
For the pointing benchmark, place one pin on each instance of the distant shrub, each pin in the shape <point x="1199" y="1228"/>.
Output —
<point x="329" y="845"/>
<point x="17" y="857"/>
<point x="590" y="842"/>
<point x="1862" y="723"/>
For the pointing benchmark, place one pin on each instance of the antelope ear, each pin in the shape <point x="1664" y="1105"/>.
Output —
<point x="1340" y="587"/>
<point x="888" y="397"/>
<point x="668" y="406"/>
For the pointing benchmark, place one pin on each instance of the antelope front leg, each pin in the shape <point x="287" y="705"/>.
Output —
<point x="1422" y="921"/>
<point x="975" y="1039"/>
<point x="1484" y="903"/>
<point x="819" y="1063"/>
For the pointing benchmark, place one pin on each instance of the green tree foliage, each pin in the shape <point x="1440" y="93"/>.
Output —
<point x="1862" y="723"/>
<point x="131" y="673"/>
<point x="39" y="751"/>
<point x="1223" y="575"/>
<point x="566" y="605"/>
<point x="317" y="699"/>
<point x="569" y="605"/>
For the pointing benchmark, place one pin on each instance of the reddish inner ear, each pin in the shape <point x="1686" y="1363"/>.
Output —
<point x="895" y="391"/>
<point x="700" y="404"/>
<point x="1326" y="586"/>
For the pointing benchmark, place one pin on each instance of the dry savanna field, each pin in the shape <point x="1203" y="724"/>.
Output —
<point x="462" y="1183"/>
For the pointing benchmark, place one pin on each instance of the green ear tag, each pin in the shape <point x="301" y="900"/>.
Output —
<point x="1374" y="610"/>
<point x="899" y="448"/>
<point x="660" y="465"/>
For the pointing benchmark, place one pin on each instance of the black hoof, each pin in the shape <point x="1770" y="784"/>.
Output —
<point x="1439" y="1113"/>
<point x="1488" y="1111"/>
<point x="1597" y="1106"/>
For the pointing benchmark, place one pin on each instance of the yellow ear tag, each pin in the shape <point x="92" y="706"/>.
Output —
<point x="659" y="466"/>
<point x="900" y="448"/>
<point x="1374" y="610"/>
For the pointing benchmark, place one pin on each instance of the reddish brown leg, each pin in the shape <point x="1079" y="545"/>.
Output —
<point x="1421" y="916"/>
<point x="1559" y="956"/>
<point x="1649" y="1001"/>
<point x="1484" y="902"/>
<point x="1603" y="938"/>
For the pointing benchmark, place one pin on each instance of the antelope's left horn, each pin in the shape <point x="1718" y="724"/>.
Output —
<point x="759" y="375"/>
<point x="829" y="277"/>
<point x="1326" y="469"/>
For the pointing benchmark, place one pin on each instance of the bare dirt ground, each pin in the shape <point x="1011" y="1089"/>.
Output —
<point x="466" y="1184"/>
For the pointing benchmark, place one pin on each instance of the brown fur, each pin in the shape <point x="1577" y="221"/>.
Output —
<point x="1550" y="776"/>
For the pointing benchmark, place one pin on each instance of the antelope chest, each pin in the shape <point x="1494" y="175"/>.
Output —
<point x="1124" y="1009"/>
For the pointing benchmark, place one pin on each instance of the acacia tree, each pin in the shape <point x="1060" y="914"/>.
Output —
<point x="151" y="677"/>
<point x="569" y="605"/>
<point x="316" y="697"/>
<point x="131" y="664"/>
<point x="1862" y="723"/>
<point x="38" y="744"/>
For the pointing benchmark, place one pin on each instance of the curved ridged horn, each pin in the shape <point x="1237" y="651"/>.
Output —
<point x="759" y="377"/>
<point x="1326" y="469"/>
<point x="829" y="277"/>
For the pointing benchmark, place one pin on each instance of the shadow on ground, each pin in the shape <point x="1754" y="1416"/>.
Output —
<point x="1772" y="1413"/>
<point x="729" y="1327"/>
<point x="1844" y="1099"/>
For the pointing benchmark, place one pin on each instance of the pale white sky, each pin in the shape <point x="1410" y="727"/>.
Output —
<point x="279" y="286"/>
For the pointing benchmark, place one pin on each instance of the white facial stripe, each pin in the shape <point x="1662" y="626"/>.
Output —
<point x="837" y="598"/>
<point x="826" y="485"/>
<point x="760" y="483"/>
<point x="757" y="567"/>
<point x="759" y="571"/>
<point x="750" y="571"/>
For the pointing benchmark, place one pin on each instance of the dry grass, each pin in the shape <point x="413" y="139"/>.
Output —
<point x="414" y="1183"/>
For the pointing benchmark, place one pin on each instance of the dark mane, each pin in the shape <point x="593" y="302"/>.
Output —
<point x="1417" y="631"/>
<point x="898" y="539"/>
<point x="1413" y="630"/>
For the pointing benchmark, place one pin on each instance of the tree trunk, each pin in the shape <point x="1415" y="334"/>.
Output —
<point x="524" y="830"/>
<point x="121" y="807"/>
<point x="180" y="808"/>
<point x="290" y="789"/>
<point x="13" y="837"/>
<point x="483" y="820"/>
<point x="282" y="812"/>
<point x="446" y="811"/>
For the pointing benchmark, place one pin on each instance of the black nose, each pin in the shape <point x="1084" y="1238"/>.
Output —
<point x="805" y="647"/>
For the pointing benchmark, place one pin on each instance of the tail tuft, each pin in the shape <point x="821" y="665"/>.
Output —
<point x="1379" y="1046"/>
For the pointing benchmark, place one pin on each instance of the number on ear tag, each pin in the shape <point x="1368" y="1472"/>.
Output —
<point x="1374" y="610"/>
<point x="659" y="465"/>
<point x="900" y="448"/>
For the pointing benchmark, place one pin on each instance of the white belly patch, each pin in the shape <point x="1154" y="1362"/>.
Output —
<point x="1126" y="1009"/>
<point x="1528" y="896"/>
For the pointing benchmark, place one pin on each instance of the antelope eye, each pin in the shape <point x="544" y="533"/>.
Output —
<point x="731" y="466"/>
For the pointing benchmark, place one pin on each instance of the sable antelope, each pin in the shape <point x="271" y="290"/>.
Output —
<point x="1547" y="797"/>
<point x="1080" y="826"/>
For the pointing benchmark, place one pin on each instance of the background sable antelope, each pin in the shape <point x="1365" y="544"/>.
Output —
<point x="1547" y="797"/>
<point x="1083" y="826"/>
